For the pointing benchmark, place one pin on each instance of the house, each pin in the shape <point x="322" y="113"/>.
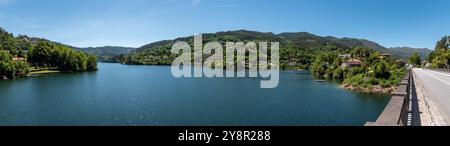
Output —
<point x="18" y="59"/>
<point x="384" y="55"/>
<point x="351" y="63"/>
<point x="345" y="55"/>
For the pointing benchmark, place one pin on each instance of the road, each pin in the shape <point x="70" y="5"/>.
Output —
<point x="436" y="84"/>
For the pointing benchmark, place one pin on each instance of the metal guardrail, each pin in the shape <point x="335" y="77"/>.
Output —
<point x="397" y="112"/>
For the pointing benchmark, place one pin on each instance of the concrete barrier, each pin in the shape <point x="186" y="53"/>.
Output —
<point x="396" y="112"/>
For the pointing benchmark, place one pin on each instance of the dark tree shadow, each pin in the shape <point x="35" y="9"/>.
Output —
<point x="415" y="119"/>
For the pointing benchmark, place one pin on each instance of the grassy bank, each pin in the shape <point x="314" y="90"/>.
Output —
<point x="43" y="72"/>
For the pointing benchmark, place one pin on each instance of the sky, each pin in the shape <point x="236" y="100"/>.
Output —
<point x="133" y="23"/>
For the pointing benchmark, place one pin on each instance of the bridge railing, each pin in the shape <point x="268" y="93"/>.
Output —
<point x="397" y="111"/>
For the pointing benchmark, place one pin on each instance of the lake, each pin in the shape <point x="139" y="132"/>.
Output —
<point x="150" y="96"/>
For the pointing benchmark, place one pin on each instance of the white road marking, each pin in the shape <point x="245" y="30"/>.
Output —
<point x="440" y="73"/>
<point x="429" y="74"/>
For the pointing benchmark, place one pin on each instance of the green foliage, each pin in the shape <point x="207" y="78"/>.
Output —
<point x="41" y="54"/>
<point x="431" y="56"/>
<point x="10" y="68"/>
<point x="415" y="60"/>
<point x="381" y="70"/>
<point x="338" y="74"/>
<point x="47" y="54"/>
<point x="374" y="70"/>
<point x="323" y="64"/>
<point x="361" y="53"/>
<point x="440" y="58"/>
<point x="442" y="45"/>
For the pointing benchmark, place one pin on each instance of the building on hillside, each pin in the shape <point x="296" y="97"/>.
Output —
<point x="352" y="63"/>
<point x="345" y="55"/>
<point x="18" y="59"/>
<point x="384" y="55"/>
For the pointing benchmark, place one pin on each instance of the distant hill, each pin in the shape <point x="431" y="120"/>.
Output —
<point x="297" y="48"/>
<point x="405" y="52"/>
<point x="107" y="53"/>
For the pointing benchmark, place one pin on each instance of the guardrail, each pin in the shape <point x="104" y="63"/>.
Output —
<point x="398" y="109"/>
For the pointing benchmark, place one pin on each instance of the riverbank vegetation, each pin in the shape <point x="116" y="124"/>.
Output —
<point x="360" y="69"/>
<point x="18" y="55"/>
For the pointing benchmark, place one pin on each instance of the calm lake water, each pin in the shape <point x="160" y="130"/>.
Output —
<point x="149" y="95"/>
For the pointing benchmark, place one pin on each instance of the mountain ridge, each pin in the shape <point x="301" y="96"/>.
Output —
<point x="301" y="40"/>
<point x="294" y="46"/>
<point x="107" y="53"/>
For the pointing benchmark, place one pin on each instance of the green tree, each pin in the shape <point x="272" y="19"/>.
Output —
<point x="47" y="54"/>
<point x="21" y="68"/>
<point x="92" y="63"/>
<point x="440" y="58"/>
<point x="39" y="55"/>
<point x="442" y="45"/>
<point x="4" y="56"/>
<point x="381" y="70"/>
<point x="10" y="68"/>
<point x="431" y="56"/>
<point x="338" y="74"/>
<point x="361" y="52"/>
<point x="415" y="60"/>
<point x="323" y="62"/>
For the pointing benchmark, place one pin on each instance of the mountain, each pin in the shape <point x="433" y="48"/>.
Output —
<point x="297" y="49"/>
<point x="405" y="52"/>
<point x="107" y="53"/>
<point x="352" y="42"/>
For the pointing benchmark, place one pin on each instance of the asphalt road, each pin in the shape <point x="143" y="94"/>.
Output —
<point x="437" y="86"/>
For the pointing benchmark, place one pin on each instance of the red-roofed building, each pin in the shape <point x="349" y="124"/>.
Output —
<point x="352" y="63"/>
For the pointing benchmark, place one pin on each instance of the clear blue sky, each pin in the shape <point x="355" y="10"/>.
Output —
<point x="82" y="23"/>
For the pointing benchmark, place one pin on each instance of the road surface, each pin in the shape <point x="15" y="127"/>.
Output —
<point x="436" y="84"/>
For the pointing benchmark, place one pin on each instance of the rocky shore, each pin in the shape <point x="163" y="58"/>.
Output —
<point x="374" y="89"/>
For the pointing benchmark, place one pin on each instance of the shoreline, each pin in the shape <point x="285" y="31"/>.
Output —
<point x="32" y="74"/>
<point x="374" y="90"/>
<point x="43" y="72"/>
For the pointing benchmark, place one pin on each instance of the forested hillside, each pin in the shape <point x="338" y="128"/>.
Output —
<point x="22" y="54"/>
<point x="297" y="50"/>
<point x="107" y="53"/>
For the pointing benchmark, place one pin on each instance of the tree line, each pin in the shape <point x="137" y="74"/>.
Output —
<point x="46" y="54"/>
<point x="18" y="55"/>
<point x="440" y="57"/>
